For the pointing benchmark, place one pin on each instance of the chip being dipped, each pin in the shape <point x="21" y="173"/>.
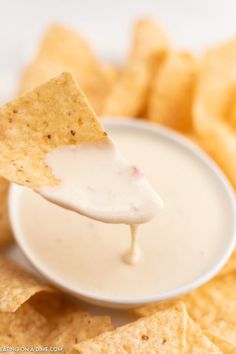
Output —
<point x="52" y="141"/>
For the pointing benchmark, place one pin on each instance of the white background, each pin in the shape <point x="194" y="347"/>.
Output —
<point x="107" y="24"/>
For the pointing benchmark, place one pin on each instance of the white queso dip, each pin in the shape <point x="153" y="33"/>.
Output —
<point x="183" y="241"/>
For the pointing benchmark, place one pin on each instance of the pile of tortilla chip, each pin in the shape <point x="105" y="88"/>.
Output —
<point x="35" y="316"/>
<point x="195" y="96"/>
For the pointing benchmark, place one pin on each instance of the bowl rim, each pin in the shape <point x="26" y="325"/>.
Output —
<point x="108" y="301"/>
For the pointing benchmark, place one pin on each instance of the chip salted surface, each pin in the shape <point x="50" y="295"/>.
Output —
<point x="169" y="331"/>
<point x="212" y="306"/>
<point x="164" y="332"/>
<point x="16" y="285"/>
<point x="34" y="316"/>
<point x="54" y="114"/>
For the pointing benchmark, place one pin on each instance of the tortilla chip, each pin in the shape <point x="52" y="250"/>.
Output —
<point x="230" y="266"/>
<point x="219" y="141"/>
<point x="76" y="327"/>
<point x="149" y="42"/>
<point x="232" y="107"/>
<point x="112" y="73"/>
<point x="40" y="71"/>
<point x="212" y="118"/>
<point x="197" y="342"/>
<point x="163" y="332"/>
<point x="54" y="114"/>
<point x="16" y="285"/>
<point x="25" y="327"/>
<point x="59" y="328"/>
<point x="128" y="94"/>
<point x="215" y="83"/>
<point x="54" y="305"/>
<point x="207" y="304"/>
<point x="67" y="323"/>
<point x="172" y="92"/>
<point x="62" y="49"/>
<point x="226" y="346"/>
<point x="5" y="227"/>
<point x="225" y="327"/>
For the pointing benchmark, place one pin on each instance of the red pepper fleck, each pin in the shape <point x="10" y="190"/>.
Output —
<point x="136" y="171"/>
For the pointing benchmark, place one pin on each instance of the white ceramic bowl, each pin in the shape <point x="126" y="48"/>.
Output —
<point x="230" y="240"/>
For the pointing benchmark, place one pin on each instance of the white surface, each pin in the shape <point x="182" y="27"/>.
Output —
<point x="193" y="24"/>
